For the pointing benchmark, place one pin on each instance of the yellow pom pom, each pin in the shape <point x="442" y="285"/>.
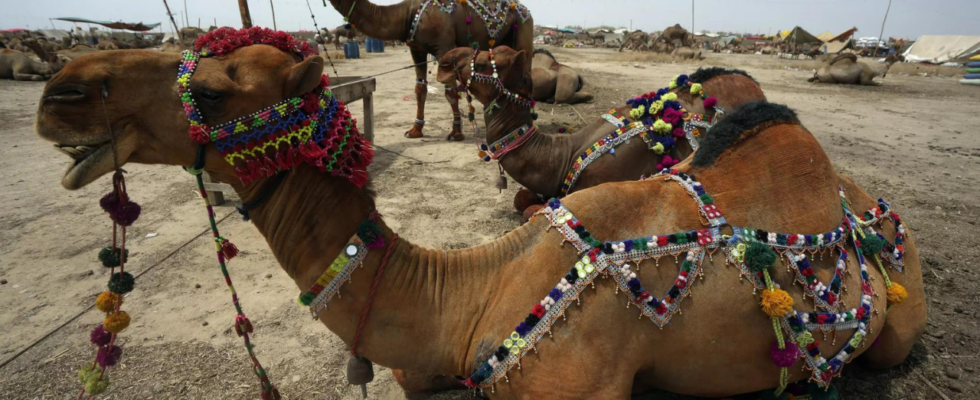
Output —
<point x="658" y="148"/>
<point x="696" y="88"/>
<point x="669" y="97"/>
<point x="776" y="303"/>
<point x="116" y="323"/>
<point x="637" y="112"/>
<point x="896" y="294"/>
<point x="513" y="6"/>
<point x="106" y="302"/>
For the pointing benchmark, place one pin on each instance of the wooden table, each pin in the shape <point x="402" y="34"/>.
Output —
<point x="347" y="89"/>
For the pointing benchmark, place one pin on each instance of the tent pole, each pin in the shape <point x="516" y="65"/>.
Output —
<point x="246" y="16"/>
<point x="882" y="28"/>
<point x="273" y="15"/>
<point x="171" y="15"/>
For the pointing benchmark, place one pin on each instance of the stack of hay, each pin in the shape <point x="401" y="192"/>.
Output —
<point x="972" y="76"/>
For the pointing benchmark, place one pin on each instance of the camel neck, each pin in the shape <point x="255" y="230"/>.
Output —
<point x="379" y="22"/>
<point x="505" y="118"/>
<point x="433" y="294"/>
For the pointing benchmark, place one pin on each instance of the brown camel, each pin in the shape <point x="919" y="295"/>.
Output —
<point x="636" y="41"/>
<point x="172" y="46"/>
<point x="20" y="67"/>
<point x="77" y="50"/>
<point x="543" y="162"/>
<point x="676" y="37"/>
<point x="555" y="82"/>
<point x="437" y="32"/>
<point x="846" y="69"/>
<point x="687" y="53"/>
<point x="448" y="311"/>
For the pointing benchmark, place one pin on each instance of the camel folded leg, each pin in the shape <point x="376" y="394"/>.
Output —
<point x="566" y="90"/>
<point x="421" y="90"/>
<point x="28" y="77"/>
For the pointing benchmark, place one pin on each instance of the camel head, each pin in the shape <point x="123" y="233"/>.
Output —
<point x="133" y="96"/>
<point x="455" y="65"/>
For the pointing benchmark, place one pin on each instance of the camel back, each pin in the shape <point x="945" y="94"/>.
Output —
<point x="745" y="120"/>
<point x="702" y="75"/>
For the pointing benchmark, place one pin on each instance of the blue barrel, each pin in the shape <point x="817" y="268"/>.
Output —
<point x="351" y="50"/>
<point x="369" y="45"/>
<point x="357" y="50"/>
<point x="975" y="64"/>
<point x="971" y="76"/>
<point x="379" y="46"/>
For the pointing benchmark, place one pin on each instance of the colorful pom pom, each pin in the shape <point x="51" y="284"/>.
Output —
<point x="100" y="337"/>
<point x="710" y="102"/>
<point x="871" y="244"/>
<point x="776" y="303"/>
<point x="228" y="249"/>
<point x="109" y="256"/>
<point x="696" y="88"/>
<point x="86" y="372"/>
<point x="896" y="294"/>
<point x="370" y="233"/>
<point x="199" y="135"/>
<point x="108" y="356"/>
<point x="96" y="385"/>
<point x="107" y="301"/>
<point x="758" y="257"/>
<point x="121" y="282"/>
<point x="126" y="214"/>
<point x="786" y="357"/>
<point x="562" y="129"/>
<point x="117" y="322"/>
<point x="242" y="325"/>
<point x="109" y="202"/>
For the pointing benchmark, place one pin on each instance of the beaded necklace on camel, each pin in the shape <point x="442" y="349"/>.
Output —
<point x="751" y="251"/>
<point x="313" y="129"/>
<point x="658" y="118"/>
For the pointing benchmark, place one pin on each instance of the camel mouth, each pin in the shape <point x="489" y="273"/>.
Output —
<point x="88" y="163"/>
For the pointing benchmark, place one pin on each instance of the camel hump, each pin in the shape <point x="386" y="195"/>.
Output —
<point x="546" y="52"/>
<point x="703" y="75"/>
<point x="744" y="119"/>
<point x="842" y="56"/>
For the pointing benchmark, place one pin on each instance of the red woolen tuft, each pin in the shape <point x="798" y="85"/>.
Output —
<point x="228" y="249"/>
<point x="199" y="134"/>
<point x="225" y="40"/>
<point x="710" y="102"/>
<point x="786" y="357"/>
<point x="678" y="132"/>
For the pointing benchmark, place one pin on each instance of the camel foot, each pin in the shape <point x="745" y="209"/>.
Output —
<point x="414" y="133"/>
<point x="455" y="136"/>
<point x="524" y="199"/>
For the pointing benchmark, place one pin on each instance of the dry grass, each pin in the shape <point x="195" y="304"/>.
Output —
<point x="650" y="57"/>
<point x="930" y="70"/>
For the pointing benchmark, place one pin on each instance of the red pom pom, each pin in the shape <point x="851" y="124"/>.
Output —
<point x="710" y="102"/>
<point x="228" y="249"/>
<point x="784" y="358"/>
<point x="538" y="310"/>
<point x="678" y="132"/>
<point x="242" y="325"/>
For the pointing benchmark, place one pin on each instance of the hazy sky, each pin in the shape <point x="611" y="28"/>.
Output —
<point x="908" y="18"/>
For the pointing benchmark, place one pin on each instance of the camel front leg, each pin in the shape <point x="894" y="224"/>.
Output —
<point x="452" y="94"/>
<point x="421" y="90"/>
<point x="28" y="77"/>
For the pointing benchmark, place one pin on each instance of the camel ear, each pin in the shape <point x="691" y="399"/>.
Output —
<point x="303" y="77"/>
<point x="519" y="59"/>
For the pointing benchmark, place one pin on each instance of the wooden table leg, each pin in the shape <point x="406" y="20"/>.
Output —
<point x="216" y="198"/>
<point x="369" y="116"/>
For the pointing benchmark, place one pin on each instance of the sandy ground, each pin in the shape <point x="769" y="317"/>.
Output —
<point x="912" y="140"/>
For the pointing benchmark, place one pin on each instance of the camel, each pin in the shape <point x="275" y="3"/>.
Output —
<point x="555" y="82"/>
<point x="636" y="41"/>
<point x="433" y="31"/>
<point x="77" y="50"/>
<point x="19" y="67"/>
<point x="449" y="311"/>
<point x="846" y="69"/>
<point x="342" y="31"/>
<point x="676" y="37"/>
<point x="172" y="46"/>
<point x="542" y="163"/>
<point x="687" y="53"/>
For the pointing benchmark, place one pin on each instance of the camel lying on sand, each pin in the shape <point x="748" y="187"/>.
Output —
<point x="846" y="69"/>
<point x="555" y="82"/>
<point x="542" y="162"/>
<point x="687" y="53"/>
<point x="18" y="66"/>
<point x="453" y="312"/>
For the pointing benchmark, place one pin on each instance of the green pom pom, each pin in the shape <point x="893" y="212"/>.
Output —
<point x="758" y="257"/>
<point x="368" y="231"/>
<point x="534" y="116"/>
<point x="110" y="256"/>
<point x="871" y="244"/>
<point x="121" y="283"/>
<point x="96" y="386"/>
<point x="87" y="372"/>
<point x="475" y="45"/>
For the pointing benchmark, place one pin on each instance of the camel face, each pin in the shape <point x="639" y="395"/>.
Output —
<point x="145" y="115"/>
<point x="456" y="63"/>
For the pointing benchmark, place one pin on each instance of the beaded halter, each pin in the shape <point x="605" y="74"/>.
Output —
<point x="752" y="251"/>
<point x="314" y="128"/>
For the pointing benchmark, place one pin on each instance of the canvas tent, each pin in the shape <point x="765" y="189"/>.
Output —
<point x="844" y="36"/>
<point x="826" y="36"/>
<point x="800" y="36"/>
<point x="938" y="49"/>
<point x="835" y="47"/>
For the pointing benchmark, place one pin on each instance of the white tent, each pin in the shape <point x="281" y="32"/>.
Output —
<point x="938" y="49"/>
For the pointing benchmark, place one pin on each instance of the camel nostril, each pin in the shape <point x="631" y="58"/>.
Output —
<point x="69" y="93"/>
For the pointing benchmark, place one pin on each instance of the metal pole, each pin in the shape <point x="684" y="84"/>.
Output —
<point x="171" y="15"/>
<point x="273" y="15"/>
<point x="692" y="17"/>
<point x="246" y="16"/>
<point x="186" y="21"/>
<point x="875" y="54"/>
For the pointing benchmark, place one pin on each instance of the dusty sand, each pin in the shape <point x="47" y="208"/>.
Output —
<point x="914" y="141"/>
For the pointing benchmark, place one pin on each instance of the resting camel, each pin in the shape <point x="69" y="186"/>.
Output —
<point x="449" y="311"/>
<point x="687" y="53"/>
<point x="19" y="67"/>
<point x="438" y="32"/>
<point x="541" y="164"/>
<point x="74" y="51"/>
<point x="554" y="82"/>
<point x="846" y="69"/>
